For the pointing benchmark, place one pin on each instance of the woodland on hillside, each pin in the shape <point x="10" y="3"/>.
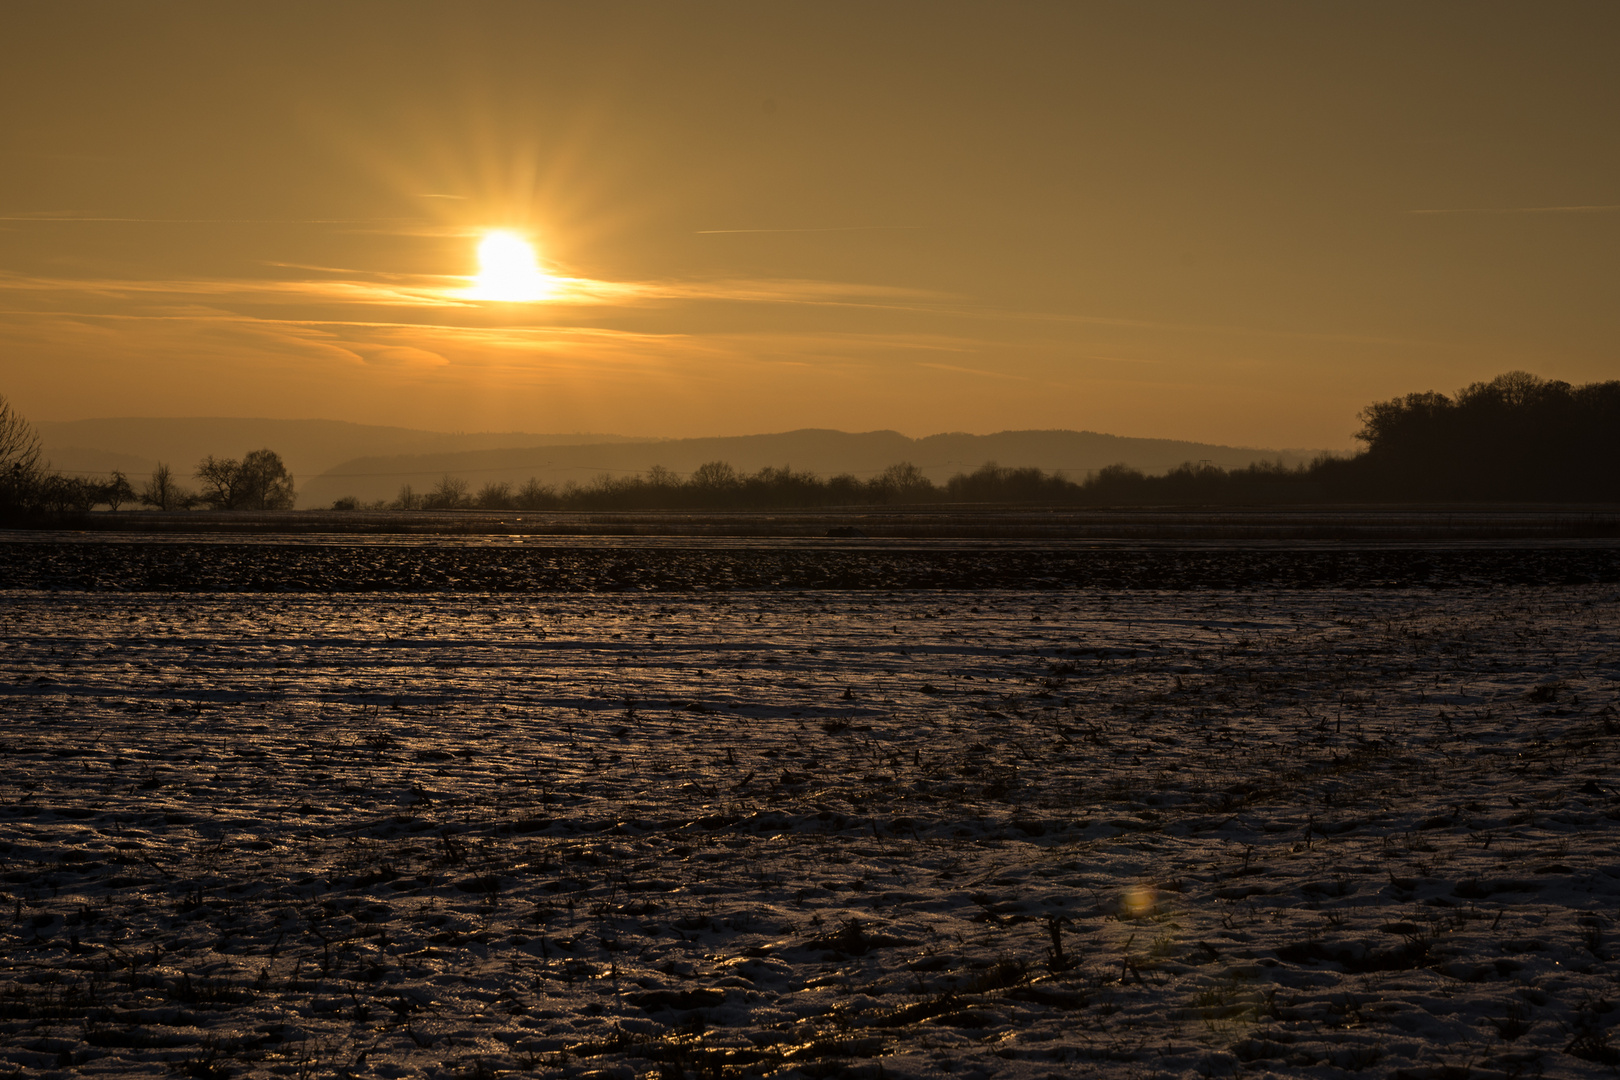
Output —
<point x="1515" y="438"/>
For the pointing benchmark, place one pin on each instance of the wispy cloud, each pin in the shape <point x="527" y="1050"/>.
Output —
<point x="1120" y="359"/>
<point x="435" y="291"/>
<point x="974" y="371"/>
<point x="579" y="347"/>
<point x="354" y="292"/>
<point x="48" y="218"/>
<point x="783" y="291"/>
<point x="826" y="229"/>
<point x="336" y="292"/>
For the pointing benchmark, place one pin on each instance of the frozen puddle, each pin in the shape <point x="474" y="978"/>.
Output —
<point x="989" y="833"/>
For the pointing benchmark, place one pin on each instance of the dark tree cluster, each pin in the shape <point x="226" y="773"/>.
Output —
<point x="20" y="469"/>
<point x="259" y="481"/>
<point x="31" y="492"/>
<point x="714" y="485"/>
<point x="718" y="486"/>
<point x="1517" y="437"/>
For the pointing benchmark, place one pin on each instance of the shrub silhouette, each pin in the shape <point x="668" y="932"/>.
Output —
<point x="535" y="496"/>
<point x="495" y="496"/>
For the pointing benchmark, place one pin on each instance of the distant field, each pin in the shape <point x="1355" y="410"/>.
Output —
<point x="485" y="563"/>
<point x="1378" y="522"/>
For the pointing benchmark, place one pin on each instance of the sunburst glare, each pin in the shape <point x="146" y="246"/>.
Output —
<point x="509" y="271"/>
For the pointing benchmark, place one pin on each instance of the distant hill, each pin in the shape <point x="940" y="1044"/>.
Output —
<point x="309" y="447"/>
<point x="332" y="458"/>
<point x="1076" y="453"/>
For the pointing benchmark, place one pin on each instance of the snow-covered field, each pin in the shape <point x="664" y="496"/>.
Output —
<point x="862" y="833"/>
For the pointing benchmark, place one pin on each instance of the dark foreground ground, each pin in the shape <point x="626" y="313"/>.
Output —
<point x="335" y="563"/>
<point x="474" y="809"/>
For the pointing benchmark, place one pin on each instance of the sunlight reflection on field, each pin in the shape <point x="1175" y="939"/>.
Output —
<point x="758" y="830"/>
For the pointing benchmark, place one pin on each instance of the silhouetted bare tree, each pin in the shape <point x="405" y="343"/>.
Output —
<point x="20" y="470"/>
<point x="266" y="483"/>
<point x="116" y="491"/>
<point x="534" y="495"/>
<point x="163" y="492"/>
<point x="221" y="478"/>
<point x="59" y="494"/>
<point x="714" y="476"/>
<point x="259" y="481"/>
<point x="449" y="494"/>
<point x="903" y="482"/>
<point x="495" y="495"/>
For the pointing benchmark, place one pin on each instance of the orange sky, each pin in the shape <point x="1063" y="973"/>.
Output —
<point x="1227" y="222"/>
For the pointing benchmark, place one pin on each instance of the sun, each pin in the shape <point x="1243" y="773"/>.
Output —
<point x="508" y="270"/>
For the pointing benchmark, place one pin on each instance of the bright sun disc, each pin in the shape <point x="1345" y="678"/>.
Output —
<point x="508" y="270"/>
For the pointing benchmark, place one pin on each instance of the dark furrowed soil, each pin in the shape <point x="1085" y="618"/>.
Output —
<point x="211" y="566"/>
<point x="1216" y="833"/>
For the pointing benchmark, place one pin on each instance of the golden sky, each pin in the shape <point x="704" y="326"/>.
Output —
<point x="1233" y="222"/>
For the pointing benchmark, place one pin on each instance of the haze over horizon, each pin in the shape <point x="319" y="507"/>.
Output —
<point x="1233" y="224"/>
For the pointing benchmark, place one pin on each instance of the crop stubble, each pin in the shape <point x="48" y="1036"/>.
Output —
<point x="997" y="830"/>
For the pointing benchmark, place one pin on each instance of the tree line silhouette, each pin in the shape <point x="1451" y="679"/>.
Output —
<point x="1517" y="437"/>
<point x="30" y="491"/>
<point x="716" y="485"/>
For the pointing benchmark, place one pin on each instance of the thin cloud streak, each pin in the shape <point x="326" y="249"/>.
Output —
<point x="230" y="317"/>
<point x="1120" y="359"/>
<point x="529" y="337"/>
<point x="523" y="336"/>
<point x="356" y="292"/>
<point x="974" y="371"/>
<point x="833" y="228"/>
<point x="452" y="291"/>
<point x="1597" y="208"/>
<point x="55" y="219"/>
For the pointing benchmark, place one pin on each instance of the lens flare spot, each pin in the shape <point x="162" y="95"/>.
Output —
<point x="509" y="271"/>
<point x="1138" y="902"/>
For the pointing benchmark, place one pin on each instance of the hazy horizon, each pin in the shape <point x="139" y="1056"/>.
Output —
<point x="1234" y="224"/>
<point x="333" y="459"/>
<point x="620" y="436"/>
